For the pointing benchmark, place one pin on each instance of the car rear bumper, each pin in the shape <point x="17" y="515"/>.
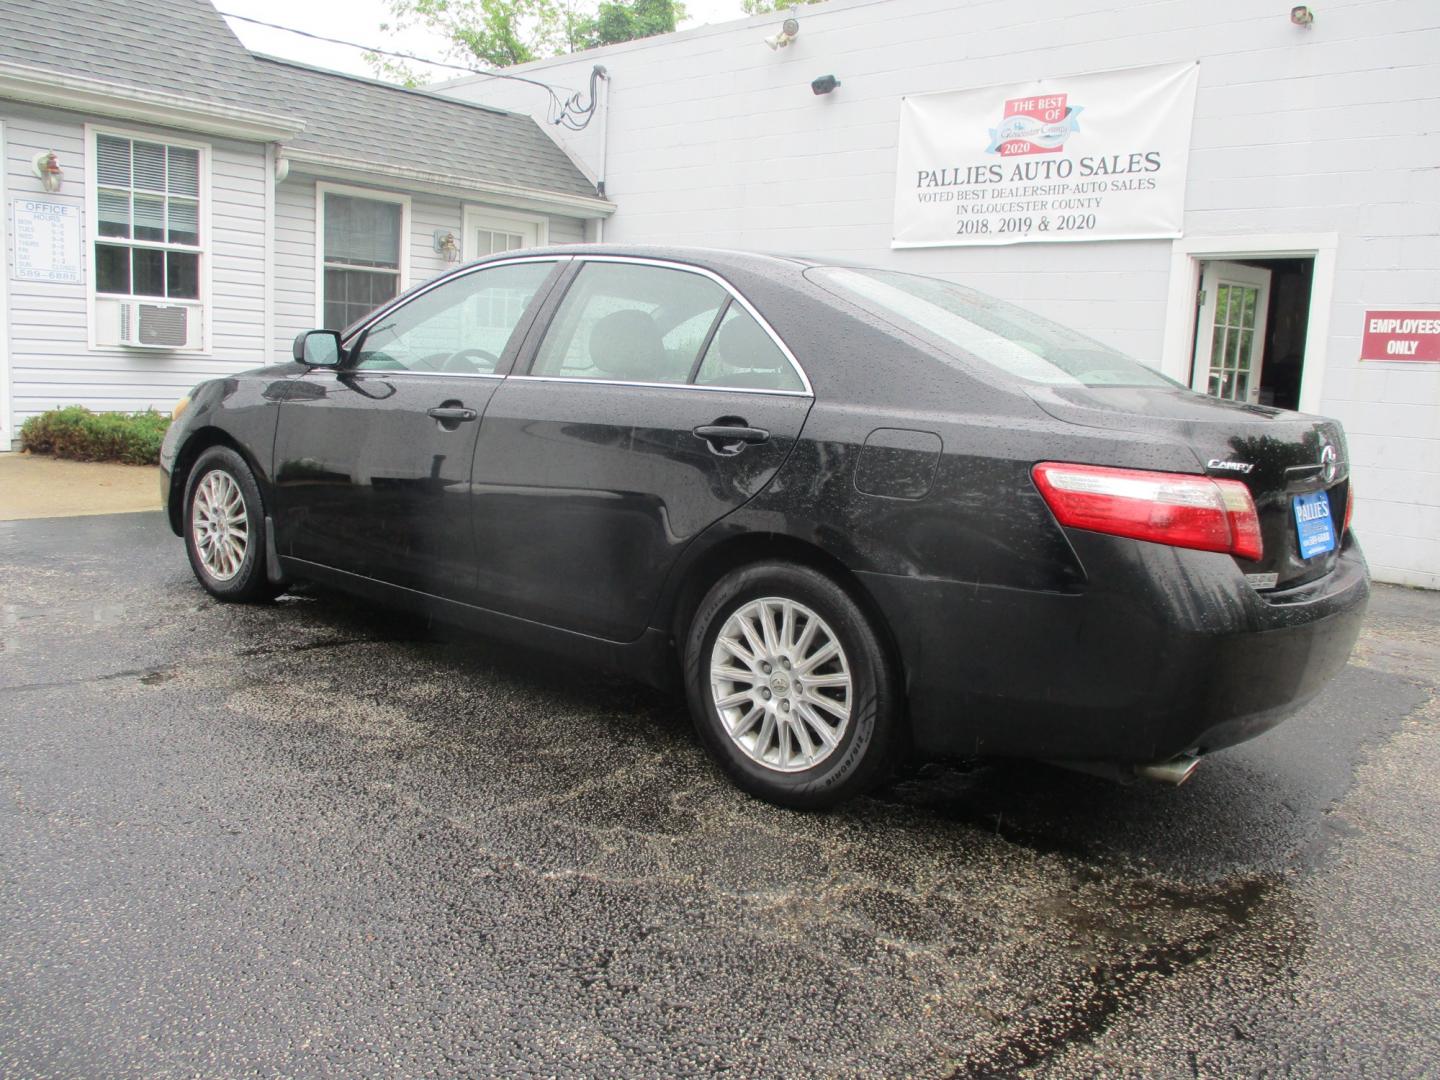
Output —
<point x="1164" y="651"/>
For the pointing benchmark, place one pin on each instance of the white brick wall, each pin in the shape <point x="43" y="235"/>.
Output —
<point x="714" y="139"/>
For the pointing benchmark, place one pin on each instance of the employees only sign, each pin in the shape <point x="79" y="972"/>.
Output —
<point x="1401" y="335"/>
<point x="1089" y="157"/>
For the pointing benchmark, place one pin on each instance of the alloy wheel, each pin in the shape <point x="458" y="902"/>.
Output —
<point x="781" y="684"/>
<point x="219" y="524"/>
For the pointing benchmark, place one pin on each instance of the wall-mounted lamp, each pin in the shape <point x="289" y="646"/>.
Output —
<point x="789" y="31"/>
<point x="46" y="167"/>
<point x="1301" y="15"/>
<point x="825" y="84"/>
<point x="447" y="244"/>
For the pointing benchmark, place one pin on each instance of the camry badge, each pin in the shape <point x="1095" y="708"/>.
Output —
<point x="1229" y="466"/>
<point x="1329" y="463"/>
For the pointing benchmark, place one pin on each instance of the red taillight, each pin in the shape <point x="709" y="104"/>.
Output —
<point x="1166" y="508"/>
<point x="1349" y="504"/>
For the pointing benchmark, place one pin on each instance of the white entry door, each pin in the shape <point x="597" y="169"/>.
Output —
<point x="1230" y="333"/>
<point x="489" y="233"/>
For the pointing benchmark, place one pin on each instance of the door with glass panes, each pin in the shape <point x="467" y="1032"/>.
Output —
<point x="493" y="234"/>
<point x="1230" y="339"/>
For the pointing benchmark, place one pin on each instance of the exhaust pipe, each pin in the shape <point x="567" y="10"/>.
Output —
<point x="1175" y="771"/>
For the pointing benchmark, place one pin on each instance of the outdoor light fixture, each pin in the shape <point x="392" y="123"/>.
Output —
<point x="824" y="84"/>
<point x="447" y="244"/>
<point x="46" y="167"/>
<point x="1301" y="15"/>
<point x="789" y="30"/>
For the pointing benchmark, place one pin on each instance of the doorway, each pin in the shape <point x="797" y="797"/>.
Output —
<point x="1252" y="320"/>
<point x="491" y="233"/>
<point x="1257" y="327"/>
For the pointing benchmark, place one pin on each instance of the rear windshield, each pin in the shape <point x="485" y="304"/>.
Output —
<point x="1008" y="337"/>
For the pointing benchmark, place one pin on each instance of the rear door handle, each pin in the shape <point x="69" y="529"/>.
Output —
<point x="720" y="434"/>
<point x="452" y="415"/>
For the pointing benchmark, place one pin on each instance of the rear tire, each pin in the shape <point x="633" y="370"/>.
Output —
<point x="225" y="528"/>
<point x="791" y="688"/>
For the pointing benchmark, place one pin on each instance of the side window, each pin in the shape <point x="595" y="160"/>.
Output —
<point x="630" y="322"/>
<point x="743" y="355"/>
<point x="461" y="327"/>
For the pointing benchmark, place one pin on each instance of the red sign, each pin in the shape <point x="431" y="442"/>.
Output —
<point x="1034" y="125"/>
<point x="1401" y="335"/>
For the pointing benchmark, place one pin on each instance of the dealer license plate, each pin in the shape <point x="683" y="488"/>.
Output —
<point x="1316" y="527"/>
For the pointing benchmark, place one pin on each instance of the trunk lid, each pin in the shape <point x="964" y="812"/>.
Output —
<point x="1280" y="456"/>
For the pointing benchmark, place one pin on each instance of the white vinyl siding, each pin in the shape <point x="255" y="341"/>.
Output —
<point x="51" y="360"/>
<point x="297" y="304"/>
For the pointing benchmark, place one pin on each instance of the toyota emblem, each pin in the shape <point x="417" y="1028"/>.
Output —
<point x="1329" y="463"/>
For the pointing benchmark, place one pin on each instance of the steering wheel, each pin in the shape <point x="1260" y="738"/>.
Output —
<point x="464" y="363"/>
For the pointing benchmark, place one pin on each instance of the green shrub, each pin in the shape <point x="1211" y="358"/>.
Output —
<point x="76" y="432"/>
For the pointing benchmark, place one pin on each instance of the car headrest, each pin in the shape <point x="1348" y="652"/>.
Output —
<point x="743" y="344"/>
<point x="627" y="345"/>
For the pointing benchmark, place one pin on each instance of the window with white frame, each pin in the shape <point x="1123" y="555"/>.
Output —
<point x="148" y="215"/>
<point x="362" y="242"/>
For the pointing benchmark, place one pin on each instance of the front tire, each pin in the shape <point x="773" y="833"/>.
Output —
<point x="225" y="527"/>
<point x="790" y="686"/>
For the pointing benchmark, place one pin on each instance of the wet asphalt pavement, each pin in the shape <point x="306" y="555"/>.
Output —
<point x="315" y="839"/>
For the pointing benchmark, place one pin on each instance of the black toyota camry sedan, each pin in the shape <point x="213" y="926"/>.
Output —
<point x="860" y="514"/>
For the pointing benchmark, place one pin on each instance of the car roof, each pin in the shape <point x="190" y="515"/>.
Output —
<point x="713" y="258"/>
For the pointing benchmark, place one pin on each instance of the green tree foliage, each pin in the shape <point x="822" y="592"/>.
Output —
<point x="629" y="21"/>
<point x="501" y="33"/>
<point x="765" y="7"/>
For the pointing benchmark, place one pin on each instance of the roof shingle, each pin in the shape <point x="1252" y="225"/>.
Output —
<point x="184" y="47"/>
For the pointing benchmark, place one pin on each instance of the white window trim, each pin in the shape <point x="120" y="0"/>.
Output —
<point x="1180" y="310"/>
<point x="323" y="188"/>
<point x="91" y="234"/>
<point x="499" y="219"/>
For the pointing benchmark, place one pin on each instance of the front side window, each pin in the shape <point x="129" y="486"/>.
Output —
<point x="147" y="201"/>
<point x="461" y="327"/>
<point x="361" y="239"/>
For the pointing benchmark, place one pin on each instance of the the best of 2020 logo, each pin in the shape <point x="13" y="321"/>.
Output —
<point x="1034" y="125"/>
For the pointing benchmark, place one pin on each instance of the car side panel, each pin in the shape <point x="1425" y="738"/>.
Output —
<point x="245" y="409"/>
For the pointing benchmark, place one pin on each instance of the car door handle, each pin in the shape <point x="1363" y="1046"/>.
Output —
<point x="719" y="434"/>
<point x="451" y="414"/>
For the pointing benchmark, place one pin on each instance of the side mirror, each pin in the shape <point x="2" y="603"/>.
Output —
<point x="318" y="348"/>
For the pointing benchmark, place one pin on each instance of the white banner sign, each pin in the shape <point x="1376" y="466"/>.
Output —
<point x="1090" y="157"/>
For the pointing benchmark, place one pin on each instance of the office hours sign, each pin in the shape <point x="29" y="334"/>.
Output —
<point x="1089" y="157"/>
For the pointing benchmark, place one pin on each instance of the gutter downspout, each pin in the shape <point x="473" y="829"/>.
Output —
<point x="604" y="150"/>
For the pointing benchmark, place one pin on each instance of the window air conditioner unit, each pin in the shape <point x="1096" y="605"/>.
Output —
<point x="159" y="326"/>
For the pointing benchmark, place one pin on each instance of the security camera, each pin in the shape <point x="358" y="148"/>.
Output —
<point x="824" y="84"/>
<point x="789" y="30"/>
